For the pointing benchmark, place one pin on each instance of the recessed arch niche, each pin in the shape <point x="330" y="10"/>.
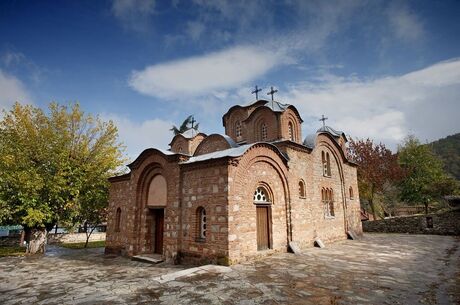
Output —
<point x="157" y="192"/>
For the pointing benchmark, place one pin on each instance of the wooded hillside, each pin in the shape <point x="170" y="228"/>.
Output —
<point x="448" y="149"/>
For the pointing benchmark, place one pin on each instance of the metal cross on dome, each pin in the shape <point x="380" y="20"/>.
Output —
<point x="192" y="121"/>
<point x="272" y="92"/>
<point x="323" y="119"/>
<point x="256" y="91"/>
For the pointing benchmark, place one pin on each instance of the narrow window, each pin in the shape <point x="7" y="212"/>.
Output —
<point x="331" y="203"/>
<point x="264" y="132"/>
<point x="238" y="129"/>
<point x="351" y="193"/>
<point x="201" y="215"/>
<point x="324" y="163"/>
<point x="328" y="164"/>
<point x="302" y="189"/>
<point x="291" y="131"/>
<point x="328" y="202"/>
<point x="118" y="220"/>
<point x="324" y="201"/>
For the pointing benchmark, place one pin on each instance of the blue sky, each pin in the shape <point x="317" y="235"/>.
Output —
<point x="378" y="69"/>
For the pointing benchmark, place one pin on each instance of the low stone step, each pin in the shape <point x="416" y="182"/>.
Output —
<point x="148" y="258"/>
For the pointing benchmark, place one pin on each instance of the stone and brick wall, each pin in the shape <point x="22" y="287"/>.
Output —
<point x="204" y="186"/>
<point x="445" y="223"/>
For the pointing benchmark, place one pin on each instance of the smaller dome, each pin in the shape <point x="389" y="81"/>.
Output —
<point x="310" y="141"/>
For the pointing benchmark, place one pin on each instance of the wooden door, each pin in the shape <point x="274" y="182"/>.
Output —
<point x="263" y="228"/>
<point x="159" y="225"/>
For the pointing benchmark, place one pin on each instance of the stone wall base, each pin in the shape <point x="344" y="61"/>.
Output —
<point x="445" y="223"/>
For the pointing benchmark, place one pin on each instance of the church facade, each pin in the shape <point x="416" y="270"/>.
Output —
<point x="229" y="198"/>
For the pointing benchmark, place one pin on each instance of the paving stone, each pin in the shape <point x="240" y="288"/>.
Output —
<point x="378" y="269"/>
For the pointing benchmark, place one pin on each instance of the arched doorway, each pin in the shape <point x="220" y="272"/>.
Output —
<point x="156" y="203"/>
<point x="263" y="215"/>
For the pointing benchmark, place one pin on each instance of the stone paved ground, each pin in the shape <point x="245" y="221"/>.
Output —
<point x="379" y="269"/>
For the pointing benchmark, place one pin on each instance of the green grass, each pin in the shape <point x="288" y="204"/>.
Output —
<point x="12" y="251"/>
<point x="91" y="244"/>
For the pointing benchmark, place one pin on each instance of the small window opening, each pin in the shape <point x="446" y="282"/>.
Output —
<point x="118" y="220"/>
<point x="201" y="215"/>
<point x="238" y="132"/>
<point x="302" y="189"/>
<point x="291" y="131"/>
<point x="264" y="132"/>
<point x="261" y="196"/>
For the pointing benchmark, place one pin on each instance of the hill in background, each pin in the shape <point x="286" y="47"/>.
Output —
<point x="448" y="149"/>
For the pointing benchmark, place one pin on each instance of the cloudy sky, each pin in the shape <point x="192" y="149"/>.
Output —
<point x="378" y="69"/>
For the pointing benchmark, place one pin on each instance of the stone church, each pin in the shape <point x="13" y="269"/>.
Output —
<point x="229" y="198"/>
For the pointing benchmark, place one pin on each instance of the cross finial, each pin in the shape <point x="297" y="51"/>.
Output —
<point x="192" y="121"/>
<point x="324" y="120"/>
<point x="256" y="91"/>
<point x="272" y="92"/>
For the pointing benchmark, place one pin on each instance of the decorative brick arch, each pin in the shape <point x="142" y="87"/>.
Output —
<point x="262" y="115"/>
<point x="268" y="155"/>
<point x="289" y="117"/>
<point x="326" y="142"/>
<point x="152" y="163"/>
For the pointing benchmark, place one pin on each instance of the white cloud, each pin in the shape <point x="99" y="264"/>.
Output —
<point x="423" y="102"/>
<point x="199" y="75"/>
<point x="404" y="23"/>
<point x="133" y="14"/>
<point x="12" y="90"/>
<point x="138" y="136"/>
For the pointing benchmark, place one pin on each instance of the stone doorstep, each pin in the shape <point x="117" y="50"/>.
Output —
<point x="148" y="258"/>
<point x="191" y="272"/>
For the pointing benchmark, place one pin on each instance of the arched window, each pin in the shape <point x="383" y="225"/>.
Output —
<point x="238" y="132"/>
<point x="201" y="223"/>
<point x="302" y="192"/>
<point x="179" y="149"/>
<point x="291" y="131"/>
<point x="118" y="220"/>
<point x="264" y="132"/>
<point x="326" y="161"/>
<point x="351" y="193"/>
<point x="261" y="195"/>
<point x="327" y="197"/>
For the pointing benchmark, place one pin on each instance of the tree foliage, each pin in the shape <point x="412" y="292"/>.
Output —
<point x="425" y="177"/>
<point x="378" y="169"/>
<point x="54" y="166"/>
<point x="189" y="121"/>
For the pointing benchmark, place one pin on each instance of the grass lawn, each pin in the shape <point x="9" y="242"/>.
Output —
<point x="91" y="244"/>
<point x="12" y="251"/>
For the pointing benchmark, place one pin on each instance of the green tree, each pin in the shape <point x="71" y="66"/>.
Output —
<point x="425" y="179"/>
<point x="53" y="167"/>
<point x="377" y="169"/>
<point x="190" y="120"/>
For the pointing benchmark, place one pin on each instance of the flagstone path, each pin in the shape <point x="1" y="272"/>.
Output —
<point x="379" y="269"/>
